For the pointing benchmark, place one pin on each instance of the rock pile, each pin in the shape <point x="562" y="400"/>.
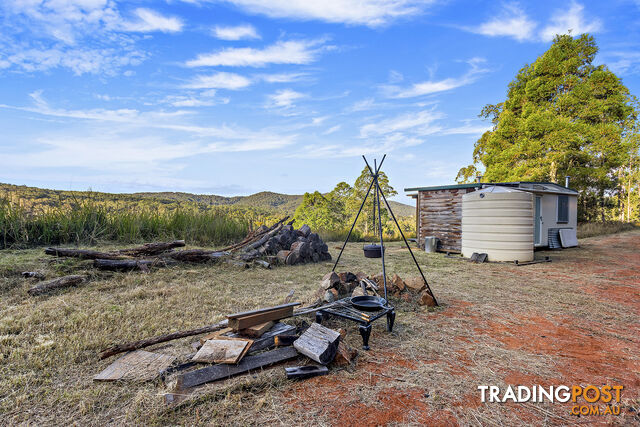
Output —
<point x="335" y="286"/>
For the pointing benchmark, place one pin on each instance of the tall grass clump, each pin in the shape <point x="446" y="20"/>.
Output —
<point x="89" y="222"/>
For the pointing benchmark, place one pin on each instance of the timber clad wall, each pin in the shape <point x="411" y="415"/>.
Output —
<point x="440" y="215"/>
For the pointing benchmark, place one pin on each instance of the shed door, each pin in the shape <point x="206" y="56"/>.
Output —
<point x="537" y="222"/>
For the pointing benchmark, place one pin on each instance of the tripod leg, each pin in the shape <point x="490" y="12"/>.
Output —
<point x="407" y="244"/>
<point x="352" y="226"/>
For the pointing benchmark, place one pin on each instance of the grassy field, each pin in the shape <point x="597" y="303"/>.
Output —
<point x="575" y="320"/>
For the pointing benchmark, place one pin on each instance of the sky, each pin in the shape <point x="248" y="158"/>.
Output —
<point x="235" y="97"/>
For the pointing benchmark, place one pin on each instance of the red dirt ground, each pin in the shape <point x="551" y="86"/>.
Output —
<point x="581" y="350"/>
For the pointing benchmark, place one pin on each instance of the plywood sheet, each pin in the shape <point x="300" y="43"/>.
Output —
<point x="137" y="365"/>
<point x="221" y="351"/>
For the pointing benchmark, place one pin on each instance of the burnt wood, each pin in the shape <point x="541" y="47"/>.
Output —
<point x="218" y="372"/>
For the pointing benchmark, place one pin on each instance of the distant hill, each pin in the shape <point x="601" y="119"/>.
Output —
<point x="265" y="200"/>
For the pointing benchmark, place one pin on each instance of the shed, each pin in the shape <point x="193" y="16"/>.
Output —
<point x="439" y="211"/>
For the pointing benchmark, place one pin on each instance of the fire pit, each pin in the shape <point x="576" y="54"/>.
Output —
<point x="346" y="309"/>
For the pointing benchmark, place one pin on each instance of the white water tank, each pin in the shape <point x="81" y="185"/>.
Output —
<point x="498" y="221"/>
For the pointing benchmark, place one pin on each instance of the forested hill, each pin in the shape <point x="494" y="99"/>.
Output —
<point x="265" y="200"/>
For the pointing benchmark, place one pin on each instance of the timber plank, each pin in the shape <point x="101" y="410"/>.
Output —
<point x="137" y="365"/>
<point x="261" y="310"/>
<point x="218" y="372"/>
<point x="244" y="322"/>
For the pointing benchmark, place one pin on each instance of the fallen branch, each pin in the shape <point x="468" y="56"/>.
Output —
<point x="135" y="345"/>
<point x="149" y="249"/>
<point x="60" y="282"/>
<point x="196" y="255"/>
<point x="256" y="244"/>
<point x="82" y="254"/>
<point x="251" y="237"/>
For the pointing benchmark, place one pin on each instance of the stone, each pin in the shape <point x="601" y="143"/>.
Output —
<point x="357" y="292"/>
<point x="378" y="278"/>
<point x="330" y="295"/>
<point x="345" y="355"/>
<point x="325" y="256"/>
<point x="347" y="277"/>
<point x="415" y="284"/>
<point x="397" y="283"/>
<point x="426" y="299"/>
<point x="330" y="280"/>
<point x="343" y="289"/>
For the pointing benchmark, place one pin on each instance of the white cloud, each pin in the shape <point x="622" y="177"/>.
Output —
<point x="220" y="80"/>
<point x="284" y="98"/>
<point x="466" y="129"/>
<point x="150" y="21"/>
<point x="85" y="36"/>
<point x="434" y="86"/>
<point x="419" y="123"/>
<point x="356" y="12"/>
<point x="78" y="60"/>
<point x="624" y="62"/>
<point x="512" y="22"/>
<point x="573" y="19"/>
<point x="282" y="52"/>
<point x="282" y="77"/>
<point x="332" y="129"/>
<point x="238" y="32"/>
<point x="149" y="141"/>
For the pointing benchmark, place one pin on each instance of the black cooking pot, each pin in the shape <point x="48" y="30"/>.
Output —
<point x="372" y="251"/>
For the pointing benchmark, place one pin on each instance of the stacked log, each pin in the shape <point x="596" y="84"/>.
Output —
<point x="290" y="246"/>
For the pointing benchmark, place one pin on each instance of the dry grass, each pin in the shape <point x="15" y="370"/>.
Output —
<point x="592" y="229"/>
<point x="426" y="371"/>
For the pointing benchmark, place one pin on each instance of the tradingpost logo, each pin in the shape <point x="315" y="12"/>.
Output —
<point x="588" y="400"/>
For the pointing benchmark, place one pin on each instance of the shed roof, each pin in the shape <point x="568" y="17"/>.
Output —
<point x="533" y="186"/>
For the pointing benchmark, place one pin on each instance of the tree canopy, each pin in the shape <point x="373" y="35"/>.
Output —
<point x="563" y="115"/>
<point x="337" y="209"/>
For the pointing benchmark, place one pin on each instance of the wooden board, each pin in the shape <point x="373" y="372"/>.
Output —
<point x="265" y="341"/>
<point x="256" y="331"/>
<point x="218" y="372"/>
<point x="137" y="365"/>
<point x="214" y="335"/>
<point x="261" y="310"/>
<point x="275" y="313"/>
<point x="222" y="351"/>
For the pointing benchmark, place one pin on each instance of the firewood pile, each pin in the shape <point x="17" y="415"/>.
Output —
<point x="282" y="244"/>
<point x="335" y="286"/>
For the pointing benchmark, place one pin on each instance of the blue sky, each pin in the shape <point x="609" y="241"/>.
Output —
<point x="239" y="96"/>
